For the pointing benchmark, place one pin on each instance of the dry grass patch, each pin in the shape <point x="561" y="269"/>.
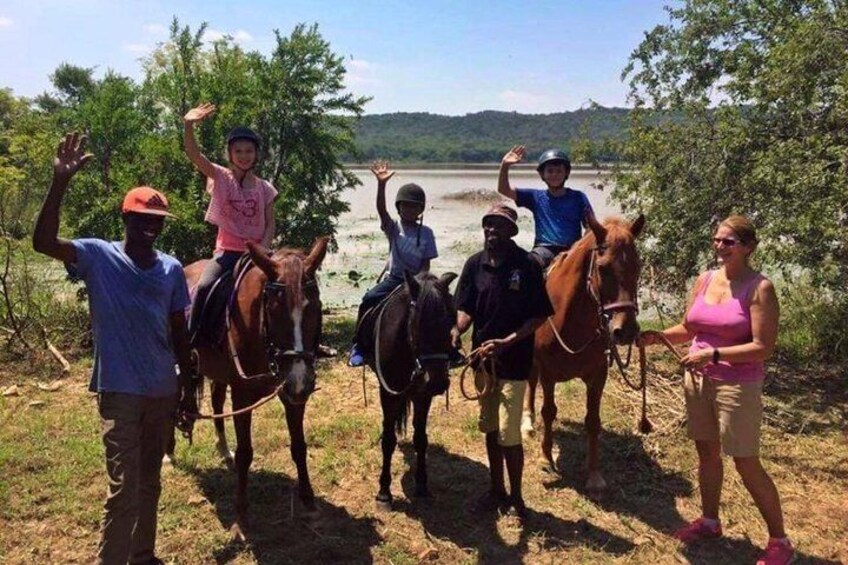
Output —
<point x="52" y="481"/>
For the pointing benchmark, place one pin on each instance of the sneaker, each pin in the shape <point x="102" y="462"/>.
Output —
<point x="356" y="359"/>
<point x="778" y="552"/>
<point x="697" y="531"/>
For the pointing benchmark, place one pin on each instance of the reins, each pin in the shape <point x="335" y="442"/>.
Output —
<point x="490" y="377"/>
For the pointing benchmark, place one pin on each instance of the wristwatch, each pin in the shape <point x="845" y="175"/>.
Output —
<point x="716" y="356"/>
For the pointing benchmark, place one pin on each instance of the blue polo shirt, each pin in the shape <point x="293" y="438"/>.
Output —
<point x="130" y="317"/>
<point x="558" y="219"/>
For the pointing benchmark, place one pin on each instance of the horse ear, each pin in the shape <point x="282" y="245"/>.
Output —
<point x="261" y="259"/>
<point x="411" y="284"/>
<point x="316" y="255"/>
<point x="596" y="227"/>
<point x="637" y="225"/>
<point x="445" y="280"/>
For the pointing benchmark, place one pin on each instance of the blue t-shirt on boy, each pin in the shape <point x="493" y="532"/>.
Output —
<point x="130" y="317"/>
<point x="558" y="219"/>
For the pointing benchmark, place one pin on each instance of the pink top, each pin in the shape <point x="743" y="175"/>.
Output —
<point x="238" y="212"/>
<point x="723" y="325"/>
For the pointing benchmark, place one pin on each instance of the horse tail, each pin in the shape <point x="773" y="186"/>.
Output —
<point x="402" y="416"/>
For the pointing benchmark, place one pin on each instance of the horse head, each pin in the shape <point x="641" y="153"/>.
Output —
<point x="291" y="315"/>
<point x="614" y="273"/>
<point x="431" y="317"/>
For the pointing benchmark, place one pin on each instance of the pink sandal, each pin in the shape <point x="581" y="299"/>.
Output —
<point x="696" y="531"/>
<point x="777" y="553"/>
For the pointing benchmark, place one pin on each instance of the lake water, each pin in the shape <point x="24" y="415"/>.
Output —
<point x="363" y="248"/>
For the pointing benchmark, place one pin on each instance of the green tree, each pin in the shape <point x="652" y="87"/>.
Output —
<point x="742" y="107"/>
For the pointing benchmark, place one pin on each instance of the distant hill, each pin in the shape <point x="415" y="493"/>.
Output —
<point x="479" y="138"/>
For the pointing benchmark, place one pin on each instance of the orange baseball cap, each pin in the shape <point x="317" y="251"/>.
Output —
<point x="146" y="200"/>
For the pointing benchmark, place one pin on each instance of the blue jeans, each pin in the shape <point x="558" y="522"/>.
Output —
<point x="377" y="293"/>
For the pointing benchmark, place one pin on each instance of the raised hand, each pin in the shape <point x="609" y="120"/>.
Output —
<point x="199" y="113"/>
<point x="515" y="155"/>
<point x="70" y="156"/>
<point x="381" y="171"/>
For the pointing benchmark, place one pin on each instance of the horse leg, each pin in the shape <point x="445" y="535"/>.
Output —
<point x="528" y="417"/>
<point x="594" y="390"/>
<point x="219" y="394"/>
<point x="244" y="457"/>
<point x="549" y="412"/>
<point x="170" y="446"/>
<point x="419" y="439"/>
<point x="294" y="420"/>
<point x="388" y="441"/>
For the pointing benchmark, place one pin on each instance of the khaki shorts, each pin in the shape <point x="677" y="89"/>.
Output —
<point x="501" y="411"/>
<point x="730" y="413"/>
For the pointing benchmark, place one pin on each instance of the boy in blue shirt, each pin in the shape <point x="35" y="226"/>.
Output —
<point x="559" y="212"/>
<point x="411" y="244"/>
<point x="137" y="299"/>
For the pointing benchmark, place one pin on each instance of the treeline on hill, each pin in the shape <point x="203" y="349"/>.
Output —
<point x="483" y="137"/>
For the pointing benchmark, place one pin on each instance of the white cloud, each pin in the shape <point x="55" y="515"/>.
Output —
<point x="239" y="36"/>
<point x="360" y="73"/>
<point x="5" y="22"/>
<point x="155" y="29"/>
<point x="139" y="48"/>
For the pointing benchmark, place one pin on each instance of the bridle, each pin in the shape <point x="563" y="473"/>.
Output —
<point x="275" y="351"/>
<point x="605" y="311"/>
<point x="412" y="332"/>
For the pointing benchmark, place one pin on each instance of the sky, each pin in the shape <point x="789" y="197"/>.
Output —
<point x="438" y="56"/>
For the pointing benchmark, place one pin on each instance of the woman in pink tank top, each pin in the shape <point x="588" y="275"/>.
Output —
<point x="731" y="321"/>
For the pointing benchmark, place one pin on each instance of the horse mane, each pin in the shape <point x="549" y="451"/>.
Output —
<point x="618" y="233"/>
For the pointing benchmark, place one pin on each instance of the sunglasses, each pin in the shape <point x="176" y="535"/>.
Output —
<point x="726" y="241"/>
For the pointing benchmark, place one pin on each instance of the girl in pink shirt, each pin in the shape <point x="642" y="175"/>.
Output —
<point x="732" y="322"/>
<point x="241" y="205"/>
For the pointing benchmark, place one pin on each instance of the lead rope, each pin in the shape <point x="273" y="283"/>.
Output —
<point x="490" y="378"/>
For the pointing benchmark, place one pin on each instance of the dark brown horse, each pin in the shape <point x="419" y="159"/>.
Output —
<point x="593" y="290"/>
<point x="407" y="339"/>
<point x="274" y="325"/>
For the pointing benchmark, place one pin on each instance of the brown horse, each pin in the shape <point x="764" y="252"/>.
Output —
<point x="274" y="326"/>
<point x="593" y="290"/>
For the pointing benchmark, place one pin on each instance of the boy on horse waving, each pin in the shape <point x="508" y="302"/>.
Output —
<point x="137" y="298"/>
<point x="411" y="244"/>
<point x="559" y="212"/>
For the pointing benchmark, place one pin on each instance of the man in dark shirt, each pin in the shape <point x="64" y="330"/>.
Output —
<point x="502" y="292"/>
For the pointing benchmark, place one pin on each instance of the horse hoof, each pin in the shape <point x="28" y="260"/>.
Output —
<point x="528" y="430"/>
<point x="549" y="468"/>
<point x="596" y="483"/>
<point x="229" y="460"/>
<point x="167" y="460"/>
<point x="237" y="534"/>
<point x="384" y="502"/>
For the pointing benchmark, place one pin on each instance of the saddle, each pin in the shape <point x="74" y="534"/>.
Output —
<point x="212" y="326"/>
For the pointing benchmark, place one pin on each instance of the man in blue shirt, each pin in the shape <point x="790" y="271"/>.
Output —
<point x="559" y="212"/>
<point x="137" y="300"/>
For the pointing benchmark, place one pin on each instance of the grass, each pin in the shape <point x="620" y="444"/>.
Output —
<point x="52" y="480"/>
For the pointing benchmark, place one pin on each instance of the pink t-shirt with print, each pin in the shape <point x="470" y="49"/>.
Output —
<point x="239" y="212"/>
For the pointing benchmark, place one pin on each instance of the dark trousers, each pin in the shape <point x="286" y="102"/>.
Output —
<point x="544" y="254"/>
<point x="221" y="263"/>
<point x="377" y="293"/>
<point x="135" y="429"/>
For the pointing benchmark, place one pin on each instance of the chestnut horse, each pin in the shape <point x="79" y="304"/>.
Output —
<point x="274" y="326"/>
<point x="408" y="342"/>
<point x="593" y="291"/>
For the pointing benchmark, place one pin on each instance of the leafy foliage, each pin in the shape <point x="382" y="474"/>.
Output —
<point x="758" y="90"/>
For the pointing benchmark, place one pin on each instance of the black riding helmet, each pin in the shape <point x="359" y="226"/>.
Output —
<point x="553" y="156"/>
<point x="411" y="192"/>
<point x="242" y="133"/>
